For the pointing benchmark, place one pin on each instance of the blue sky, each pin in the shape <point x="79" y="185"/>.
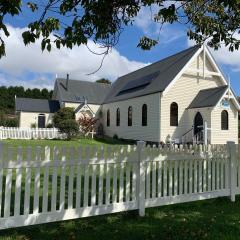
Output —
<point x="29" y="67"/>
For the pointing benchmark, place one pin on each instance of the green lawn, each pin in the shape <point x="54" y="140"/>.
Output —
<point x="58" y="143"/>
<point x="72" y="143"/>
<point x="210" y="219"/>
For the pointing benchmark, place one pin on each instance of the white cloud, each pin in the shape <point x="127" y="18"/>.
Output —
<point x="29" y="66"/>
<point x="166" y="33"/>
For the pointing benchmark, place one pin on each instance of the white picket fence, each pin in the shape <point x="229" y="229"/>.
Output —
<point x="29" y="133"/>
<point x="47" y="185"/>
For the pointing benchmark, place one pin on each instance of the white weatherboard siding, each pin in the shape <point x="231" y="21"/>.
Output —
<point x="220" y="136"/>
<point x="183" y="91"/>
<point x="151" y="132"/>
<point x="29" y="118"/>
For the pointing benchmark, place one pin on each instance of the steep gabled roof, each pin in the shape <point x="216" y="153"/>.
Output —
<point x="208" y="97"/>
<point x="36" y="105"/>
<point x="78" y="91"/>
<point x="150" y="79"/>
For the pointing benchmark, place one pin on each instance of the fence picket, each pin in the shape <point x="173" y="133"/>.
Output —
<point x="108" y="176"/>
<point x="175" y="189"/>
<point x="213" y="174"/>
<point x="86" y="177"/>
<point x="8" y="186"/>
<point x="63" y="179"/>
<point x="185" y="177"/>
<point x="71" y="177"/>
<point x="54" y="180"/>
<point x="159" y="179"/>
<point x="101" y="173"/>
<point x="115" y="178"/>
<point x="119" y="179"/>
<point x="170" y="177"/>
<point x="79" y="178"/>
<point x="180" y="177"/>
<point x="47" y="151"/>
<point x="37" y="182"/>
<point x="148" y="171"/>
<point x="18" y="184"/>
<point x="195" y="176"/>
<point x="154" y="169"/>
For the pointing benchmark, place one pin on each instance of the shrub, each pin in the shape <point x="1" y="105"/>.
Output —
<point x="87" y="124"/>
<point x="50" y="125"/>
<point x="11" y="122"/>
<point x="64" y="120"/>
<point x="115" y="136"/>
<point x="33" y="125"/>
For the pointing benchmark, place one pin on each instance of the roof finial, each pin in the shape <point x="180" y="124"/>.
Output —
<point x="229" y="86"/>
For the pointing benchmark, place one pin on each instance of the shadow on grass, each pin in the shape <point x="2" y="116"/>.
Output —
<point x="210" y="219"/>
<point x="112" y="141"/>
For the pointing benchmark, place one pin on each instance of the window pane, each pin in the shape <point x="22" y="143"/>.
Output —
<point x="144" y="115"/>
<point x="130" y="116"/>
<point x="118" y="117"/>
<point x="174" y="114"/>
<point x="108" y="118"/>
<point x="224" y="120"/>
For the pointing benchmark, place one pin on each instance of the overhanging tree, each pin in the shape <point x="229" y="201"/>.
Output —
<point x="74" y="22"/>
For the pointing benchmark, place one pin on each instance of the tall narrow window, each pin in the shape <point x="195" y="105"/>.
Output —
<point x="174" y="114"/>
<point x="224" y="120"/>
<point x="108" y="118"/>
<point x="118" y="117"/>
<point x="144" y="115"/>
<point x="130" y="116"/>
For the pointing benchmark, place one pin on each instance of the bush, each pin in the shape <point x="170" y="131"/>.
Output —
<point x="50" y="125"/>
<point x="33" y="125"/>
<point x="11" y="122"/>
<point x="64" y="120"/>
<point x="115" y="136"/>
<point x="87" y="124"/>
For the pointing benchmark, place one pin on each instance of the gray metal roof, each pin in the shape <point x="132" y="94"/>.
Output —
<point x="78" y="91"/>
<point x="36" y="105"/>
<point x="150" y="79"/>
<point x="208" y="97"/>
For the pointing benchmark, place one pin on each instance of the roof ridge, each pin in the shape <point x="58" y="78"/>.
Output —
<point x="36" y="99"/>
<point x="163" y="59"/>
<point x="83" y="81"/>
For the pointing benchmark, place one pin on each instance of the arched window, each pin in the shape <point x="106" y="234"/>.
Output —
<point x="118" y="117"/>
<point x="224" y="120"/>
<point x="130" y="116"/>
<point x="173" y="114"/>
<point x="144" y="115"/>
<point x="108" y="118"/>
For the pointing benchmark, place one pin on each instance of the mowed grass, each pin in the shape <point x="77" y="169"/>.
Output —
<point x="68" y="144"/>
<point x="209" y="219"/>
<point x="60" y="143"/>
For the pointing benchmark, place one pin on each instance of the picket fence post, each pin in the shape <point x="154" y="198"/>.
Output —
<point x="232" y="169"/>
<point x="141" y="178"/>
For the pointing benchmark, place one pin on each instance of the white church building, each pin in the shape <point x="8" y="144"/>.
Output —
<point x="182" y="98"/>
